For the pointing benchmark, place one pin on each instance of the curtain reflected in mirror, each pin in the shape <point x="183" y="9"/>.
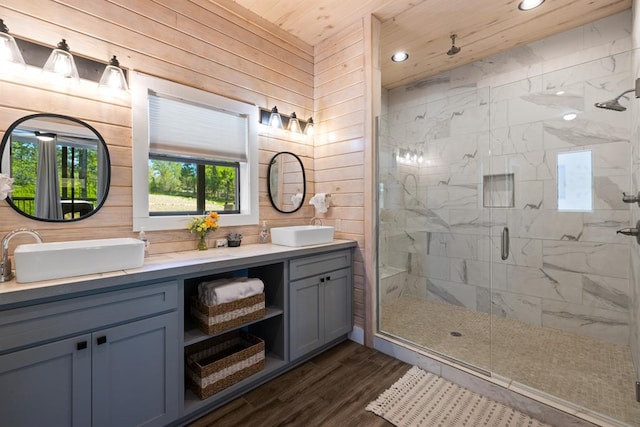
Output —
<point x="286" y="182"/>
<point x="60" y="164"/>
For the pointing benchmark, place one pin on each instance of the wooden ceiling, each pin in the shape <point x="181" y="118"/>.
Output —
<point x="423" y="27"/>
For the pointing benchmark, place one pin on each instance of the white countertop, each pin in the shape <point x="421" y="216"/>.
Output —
<point x="161" y="267"/>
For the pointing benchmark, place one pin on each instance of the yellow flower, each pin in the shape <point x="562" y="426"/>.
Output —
<point x="203" y="225"/>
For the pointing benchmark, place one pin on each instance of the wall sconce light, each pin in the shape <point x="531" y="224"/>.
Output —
<point x="294" y="124"/>
<point x="308" y="129"/>
<point x="275" y="119"/>
<point x="113" y="76"/>
<point x="9" y="51"/>
<point x="61" y="62"/>
<point x="291" y="123"/>
<point x="408" y="157"/>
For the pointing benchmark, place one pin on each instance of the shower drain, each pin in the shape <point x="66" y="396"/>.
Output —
<point x="455" y="334"/>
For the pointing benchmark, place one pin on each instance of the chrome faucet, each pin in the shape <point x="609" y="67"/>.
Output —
<point x="5" y="265"/>
<point x="315" y="221"/>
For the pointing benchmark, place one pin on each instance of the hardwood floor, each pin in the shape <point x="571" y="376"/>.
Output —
<point x="331" y="389"/>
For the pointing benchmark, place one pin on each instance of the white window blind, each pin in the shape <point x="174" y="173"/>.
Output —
<point x="184" y="129"/>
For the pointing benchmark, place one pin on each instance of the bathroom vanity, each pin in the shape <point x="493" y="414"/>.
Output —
<point x="108" y="349"/>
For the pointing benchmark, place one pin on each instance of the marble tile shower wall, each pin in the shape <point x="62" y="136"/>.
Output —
<point x="566" y="270"/>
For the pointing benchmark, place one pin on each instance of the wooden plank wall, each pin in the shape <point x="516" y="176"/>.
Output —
<point x="340" y="142"/>
<point x="210" y="45"/>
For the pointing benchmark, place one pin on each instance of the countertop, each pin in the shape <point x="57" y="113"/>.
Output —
<point x="156" y="268"/>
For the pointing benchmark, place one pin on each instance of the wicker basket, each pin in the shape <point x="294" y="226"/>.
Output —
<point x="217" y="318"/>
<point x="220" y="362"/>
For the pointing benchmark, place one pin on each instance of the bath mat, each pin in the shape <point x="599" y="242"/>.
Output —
<point x="421" y="398"/>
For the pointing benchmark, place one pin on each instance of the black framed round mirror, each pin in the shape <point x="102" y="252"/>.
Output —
<point x="286" y="182"/>
<point x="60" y="166"/>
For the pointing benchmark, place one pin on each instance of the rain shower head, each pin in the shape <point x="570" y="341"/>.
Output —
<point x="614" y="105"/>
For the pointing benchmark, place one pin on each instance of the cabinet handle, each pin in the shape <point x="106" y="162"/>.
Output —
<point x="322" y="280"/>
<point x="101" y="340"/>
<point x="81" y="345"/>
<point x="328" y="277"/>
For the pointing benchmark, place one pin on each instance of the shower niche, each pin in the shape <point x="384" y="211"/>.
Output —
<point x="498" y="191"/>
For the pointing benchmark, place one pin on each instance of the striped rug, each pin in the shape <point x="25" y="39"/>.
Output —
<point x="421" y="398"/>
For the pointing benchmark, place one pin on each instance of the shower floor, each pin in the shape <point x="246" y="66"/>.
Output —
<point x="594" y="374"/>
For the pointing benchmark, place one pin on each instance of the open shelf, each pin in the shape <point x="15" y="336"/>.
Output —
<point x="192" y="402"/>
<point x="193" y="334"/>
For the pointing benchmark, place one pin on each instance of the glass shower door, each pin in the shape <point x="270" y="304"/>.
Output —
<point x="434" y="272"/>
<point x="560" y="301"/>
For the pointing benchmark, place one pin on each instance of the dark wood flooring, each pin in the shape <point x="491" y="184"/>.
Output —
<point x="331" y="389"/>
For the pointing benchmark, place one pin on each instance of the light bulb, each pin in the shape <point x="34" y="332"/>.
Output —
<point x="113" y="76"/>
<point x="9" y="51"/>
<point x="61" y="62"/>
<point x="275" y="121"/>
<point x="294" y="124"/>
<point x="308" y="129"/>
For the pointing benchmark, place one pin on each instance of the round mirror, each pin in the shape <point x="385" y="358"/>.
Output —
<point x="286" y="182"/>
<point x="60" y="165"/>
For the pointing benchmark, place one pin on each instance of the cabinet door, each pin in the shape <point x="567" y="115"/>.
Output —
<point x="305" y="322"/>
<point x="135" y="373"/>
<point x="337" y="303"/>
<point x="47" y="385"/>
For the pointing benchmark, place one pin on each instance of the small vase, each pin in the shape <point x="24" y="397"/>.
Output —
<point x="202" y="242"/>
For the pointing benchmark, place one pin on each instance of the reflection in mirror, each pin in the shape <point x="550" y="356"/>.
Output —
<point x="60" y="164"/>
<point x="286" y="182"/>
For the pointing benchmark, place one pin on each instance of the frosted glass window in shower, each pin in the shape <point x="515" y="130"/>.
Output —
<point x="575" y="181"/>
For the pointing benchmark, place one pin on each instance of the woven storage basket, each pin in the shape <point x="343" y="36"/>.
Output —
<point x="217" y="318"/>
<point x="220" y="362"/>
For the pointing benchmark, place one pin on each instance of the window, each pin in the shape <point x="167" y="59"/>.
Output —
<point x="184" y="187"/>
<point x="193" y="152"/>
<point x="575" y="181"/>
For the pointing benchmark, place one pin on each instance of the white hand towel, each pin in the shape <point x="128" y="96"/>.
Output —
<point x="320" y="202"/>
<point x="5" y="185"/>
<point x="221" y="291"/>
<point x="296" y="199"/>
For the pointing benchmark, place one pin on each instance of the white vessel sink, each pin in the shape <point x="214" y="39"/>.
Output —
<point x="46" y="261"/>
<point x="301" y="235"/>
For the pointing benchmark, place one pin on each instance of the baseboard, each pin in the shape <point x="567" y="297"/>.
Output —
<point x="357" y="335"/>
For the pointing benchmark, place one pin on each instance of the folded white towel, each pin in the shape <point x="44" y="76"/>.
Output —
<point x="221" y="291"/>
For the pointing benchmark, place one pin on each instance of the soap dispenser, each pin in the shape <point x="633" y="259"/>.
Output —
<point x="264" y="233"/>
<point x="143" y="236"/>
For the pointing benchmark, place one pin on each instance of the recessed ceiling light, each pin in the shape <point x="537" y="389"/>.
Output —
<point x="529" y="4"/>
<point x="569" y="116"/>
<point x="400" y="56"/>
<point x="560" y="93"/>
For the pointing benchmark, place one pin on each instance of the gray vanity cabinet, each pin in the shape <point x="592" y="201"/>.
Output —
<point x="103" y="360"/>
<point x="134" y="373"/>
<point x="47" y="385"/>
<point x="320" y="301"/>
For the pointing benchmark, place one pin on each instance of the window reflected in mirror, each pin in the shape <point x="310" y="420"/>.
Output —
<point x="60" y="166"/>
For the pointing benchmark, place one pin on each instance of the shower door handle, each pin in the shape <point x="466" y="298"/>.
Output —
<point x="505" y="243"/>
